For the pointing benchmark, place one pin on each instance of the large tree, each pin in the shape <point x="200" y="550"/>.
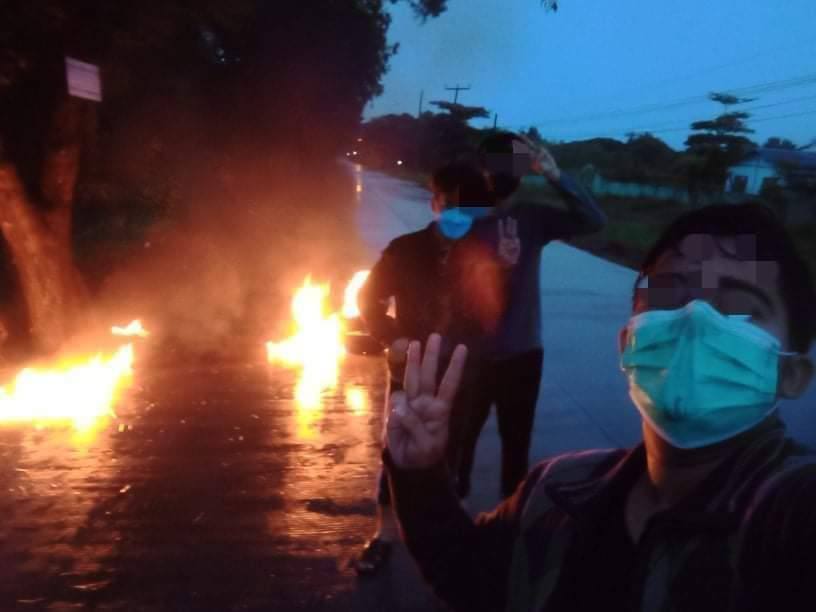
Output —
<point x="715" y="145"/>
<point x="774" y="142"/>
<point x="461" y="112"/>
<point x="45" y="134"/>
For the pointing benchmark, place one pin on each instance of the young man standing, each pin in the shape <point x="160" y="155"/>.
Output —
<point x="512" y="375"/>
<point x="713" y="511"/>
<point x="440" y="281"/>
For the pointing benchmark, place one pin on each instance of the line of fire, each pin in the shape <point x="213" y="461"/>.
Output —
<point x="81" y="391"/>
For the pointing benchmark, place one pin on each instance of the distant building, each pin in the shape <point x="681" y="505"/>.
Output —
<point x="770" y="168"/>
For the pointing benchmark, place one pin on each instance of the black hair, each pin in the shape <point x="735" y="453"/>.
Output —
<point x="464" y="180"/>
<point x="771" y="242"/>
<point x="493" y="147"/>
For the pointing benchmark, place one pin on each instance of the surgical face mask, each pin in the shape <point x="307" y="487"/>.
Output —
<point x="456" y="222"/>
<point x="699" y="377"/>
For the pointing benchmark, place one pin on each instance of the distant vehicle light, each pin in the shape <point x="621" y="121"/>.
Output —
<point x="354" y="152"/>
<point x="348" y="154"/>
<point x="399" y="162"/>
<point x="359" y="140"/>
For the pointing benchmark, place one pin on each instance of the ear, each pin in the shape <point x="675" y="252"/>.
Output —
<point x="795" y="375"/>
<point x="623" y="338"/>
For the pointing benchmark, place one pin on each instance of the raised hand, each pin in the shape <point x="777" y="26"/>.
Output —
<point x="417" y="429"/>
<point x="509" y="246"/>
<point x="542" y="160"/>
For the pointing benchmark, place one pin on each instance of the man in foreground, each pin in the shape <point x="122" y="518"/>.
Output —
<point x="714" y="510"/>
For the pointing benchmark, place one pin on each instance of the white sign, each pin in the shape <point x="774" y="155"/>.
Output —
<point x="83" y="79"/>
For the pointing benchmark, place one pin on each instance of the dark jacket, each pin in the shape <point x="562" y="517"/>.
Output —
<point x="745" y="539"/>
<point x="456" y="289"/>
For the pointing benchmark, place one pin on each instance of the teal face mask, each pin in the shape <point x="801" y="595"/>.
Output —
<point x="456" y="222"/>
<point x="699" y="377"/>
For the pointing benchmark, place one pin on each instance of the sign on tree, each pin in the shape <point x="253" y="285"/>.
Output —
<point x="83" y="79"/>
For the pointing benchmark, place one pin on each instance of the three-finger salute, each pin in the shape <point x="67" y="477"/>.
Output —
<point x="417" y="430"/>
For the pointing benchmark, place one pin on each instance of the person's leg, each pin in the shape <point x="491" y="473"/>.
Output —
<point x="387" y="528"/>
<point x="518" y="381"/>
<point x="376" y="551"/>
<point x="474" y="408"/>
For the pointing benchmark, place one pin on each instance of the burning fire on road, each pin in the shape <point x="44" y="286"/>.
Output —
<point x="317" y="345"/>
<point x="77" y="392"/>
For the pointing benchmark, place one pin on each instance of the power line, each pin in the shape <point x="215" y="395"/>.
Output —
<point x="686" y="127"/>
<point x="674" y="125"/>
<point x="761" y="119"/>
<point x="647" y="108"/>
<point x="781" y="103"/>
<point x="737" y="62"/>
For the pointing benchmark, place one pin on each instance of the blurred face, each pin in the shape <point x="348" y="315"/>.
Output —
<point x="522" y="159"/>
<point x="440" y="200"/>
<point x="517" y="163"/>
<point x="722" y="271"/>
<point x="725" y="272"/>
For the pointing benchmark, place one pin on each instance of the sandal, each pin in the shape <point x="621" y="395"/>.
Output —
<point x="373" y="557"/>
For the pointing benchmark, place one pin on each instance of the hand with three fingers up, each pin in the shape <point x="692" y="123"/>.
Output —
<point x="418" y="416"/>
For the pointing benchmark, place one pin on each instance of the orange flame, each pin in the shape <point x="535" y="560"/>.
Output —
<point x="350" y="309"/>
<point x="77" y="392"/>
<point x="131" y="330"/>
<point x="316" y="348"/>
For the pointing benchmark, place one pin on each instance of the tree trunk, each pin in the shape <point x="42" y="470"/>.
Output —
<point x="40" y="242"/>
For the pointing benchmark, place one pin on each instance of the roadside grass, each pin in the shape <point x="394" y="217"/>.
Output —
<point x="633" y="227"/>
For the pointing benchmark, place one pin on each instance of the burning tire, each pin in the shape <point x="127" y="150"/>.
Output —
<point x="358" y="341"/>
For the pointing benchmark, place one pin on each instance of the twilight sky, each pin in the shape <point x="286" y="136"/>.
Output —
<point x="608" y="67"/>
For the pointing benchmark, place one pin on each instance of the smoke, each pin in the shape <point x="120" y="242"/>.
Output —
<point x="218" y="270"/>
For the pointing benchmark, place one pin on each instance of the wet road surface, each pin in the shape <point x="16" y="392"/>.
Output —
<point x="213" y="490"/>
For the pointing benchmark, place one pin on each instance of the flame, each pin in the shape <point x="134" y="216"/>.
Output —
<point x="316" y="348"/>
<point x="132" y="329"/>
<point x="78" y="392"/>
<point x="350" y="309"/>
<point x="357" y="400"/>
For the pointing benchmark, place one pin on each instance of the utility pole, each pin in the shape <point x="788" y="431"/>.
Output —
<point x="495" y="120"/>
<point x="421" y="98"/>
<point x="456" y="91"/>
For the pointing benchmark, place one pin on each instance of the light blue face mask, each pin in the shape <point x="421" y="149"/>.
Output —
<point x="699" y="377"/>
<point x="456" y="222"/>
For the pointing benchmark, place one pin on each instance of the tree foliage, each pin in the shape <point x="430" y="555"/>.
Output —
<point x="774" y="142"/>
<point x="727" y="99"/>
<point x="461" y="112"/>
<point x="427" y="8"/>
<point x="716" y="145"/>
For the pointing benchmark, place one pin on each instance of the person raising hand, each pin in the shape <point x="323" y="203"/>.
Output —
<point x="419" y="416"/>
